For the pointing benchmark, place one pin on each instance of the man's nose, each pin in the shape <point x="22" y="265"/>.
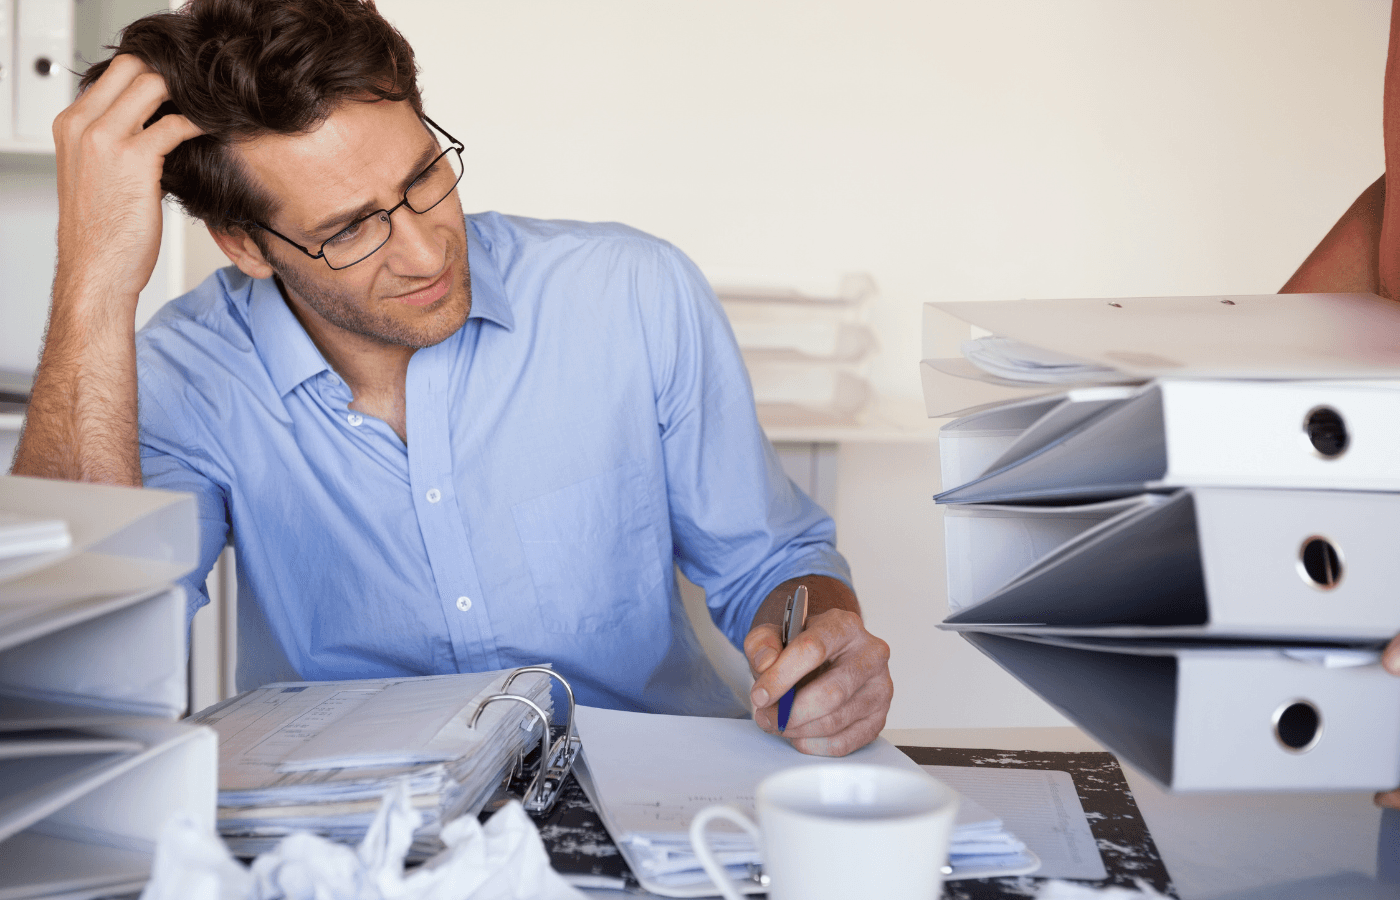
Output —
<point x="416" y="247"/>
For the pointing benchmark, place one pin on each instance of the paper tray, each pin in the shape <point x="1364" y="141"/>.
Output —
<point x="94" y="835"/>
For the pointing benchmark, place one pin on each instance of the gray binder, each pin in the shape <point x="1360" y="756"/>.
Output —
<point x="1202" y="717"/>
<point x="1217" y="562"/>
<point x="1098" y="443"/>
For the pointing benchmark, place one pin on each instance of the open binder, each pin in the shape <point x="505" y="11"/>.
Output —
<point x="92" y="675"/>
<point x="319" y="756"/>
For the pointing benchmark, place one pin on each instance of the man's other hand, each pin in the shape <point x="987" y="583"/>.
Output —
<point x="1390" y="658"/>
<point x="842" y="671"/>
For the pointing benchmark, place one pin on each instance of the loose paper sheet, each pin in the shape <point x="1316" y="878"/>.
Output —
<point x="1041" y="808"/>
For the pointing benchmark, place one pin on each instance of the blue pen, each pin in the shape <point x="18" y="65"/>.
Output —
<point x="794" y="620"/>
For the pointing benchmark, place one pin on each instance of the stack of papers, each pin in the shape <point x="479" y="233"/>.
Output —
<point x="318" y="756"/>
<point x="1011" y="360"/>
<point x="1042" y="808"/>
<point x="982" y="847"/>
<point x="648" y="775"/>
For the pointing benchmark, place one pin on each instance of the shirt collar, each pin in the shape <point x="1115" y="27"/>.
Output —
<point x="286" y="349"/>
<point x="488" y="292"/>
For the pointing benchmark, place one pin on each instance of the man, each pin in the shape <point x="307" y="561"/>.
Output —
<point x="438" y="443"/>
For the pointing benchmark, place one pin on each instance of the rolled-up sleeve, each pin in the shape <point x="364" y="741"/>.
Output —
<point x="740" y="526"/>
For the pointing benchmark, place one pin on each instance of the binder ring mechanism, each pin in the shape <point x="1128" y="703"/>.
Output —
<point x="555" y="762"/>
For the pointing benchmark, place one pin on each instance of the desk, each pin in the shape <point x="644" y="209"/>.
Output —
<point x="1218" y="847"/>
<point x="1226" y="846"/>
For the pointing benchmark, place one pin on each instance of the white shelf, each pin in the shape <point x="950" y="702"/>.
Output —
<point x="884" y="420"/>
<point x="29" y="148"/>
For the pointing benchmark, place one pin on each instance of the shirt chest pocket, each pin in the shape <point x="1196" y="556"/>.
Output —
<point x="592" y="552"/>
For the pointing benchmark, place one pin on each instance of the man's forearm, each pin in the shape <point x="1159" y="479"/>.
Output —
<point x="81" y="424"/>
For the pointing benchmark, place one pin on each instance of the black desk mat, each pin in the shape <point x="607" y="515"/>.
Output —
<point x="578" y="844"/>
<point x="1129" y="854"/>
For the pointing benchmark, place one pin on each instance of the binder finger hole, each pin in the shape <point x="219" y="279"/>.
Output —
<point x="1327" y="431"/>
<point x="1298" y="726"/>
<point x="1320" y="563"/>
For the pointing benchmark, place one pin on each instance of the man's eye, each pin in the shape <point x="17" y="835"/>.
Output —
<point x="426" y="174"/>
<point x="346" y="235"/>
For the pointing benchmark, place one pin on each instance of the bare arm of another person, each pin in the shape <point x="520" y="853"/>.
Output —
<point x="843" y="705"/>
<point x="81" y="423"/>
<point x="1347" y="260"/>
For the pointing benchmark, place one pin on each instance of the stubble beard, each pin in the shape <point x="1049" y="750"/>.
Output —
<point x="358" y="315"/>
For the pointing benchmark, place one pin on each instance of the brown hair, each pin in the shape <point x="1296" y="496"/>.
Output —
<point x="241" y="68"/>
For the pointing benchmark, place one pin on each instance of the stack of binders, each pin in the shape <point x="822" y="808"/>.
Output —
<point x="92" y="678"/>
<point x="1175" y="519"/>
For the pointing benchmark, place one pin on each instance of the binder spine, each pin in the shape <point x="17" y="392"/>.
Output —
<point x="1281" y="435"/>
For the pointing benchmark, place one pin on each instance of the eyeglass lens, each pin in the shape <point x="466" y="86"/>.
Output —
<point x="352" y="244"/>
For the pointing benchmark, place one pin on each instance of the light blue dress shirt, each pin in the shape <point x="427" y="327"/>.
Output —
<point x="590" y="426"/>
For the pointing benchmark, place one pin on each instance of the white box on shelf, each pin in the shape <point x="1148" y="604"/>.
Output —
<point x="7" y="71"/>
<point x="42" y="63"/>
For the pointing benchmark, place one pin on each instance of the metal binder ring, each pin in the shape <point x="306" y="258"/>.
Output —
<point x="545" y="670"/>
<point x="537" y="784"/>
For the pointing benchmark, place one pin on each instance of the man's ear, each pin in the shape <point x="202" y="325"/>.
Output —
<point x="242" y="251"/>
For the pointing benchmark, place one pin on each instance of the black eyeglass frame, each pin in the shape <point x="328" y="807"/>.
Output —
<point x="455" y="146"/>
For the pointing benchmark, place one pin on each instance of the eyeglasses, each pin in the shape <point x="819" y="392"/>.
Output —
<point x="360" y="239"/>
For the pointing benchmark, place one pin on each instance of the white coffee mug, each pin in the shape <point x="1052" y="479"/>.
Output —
<point x="842" y="831"/>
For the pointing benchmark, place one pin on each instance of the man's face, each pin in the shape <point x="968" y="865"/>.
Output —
<point x="415" y="290"/>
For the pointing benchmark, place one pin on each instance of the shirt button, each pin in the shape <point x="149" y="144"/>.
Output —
<point x="464" y="603"/>
<point x="355" y="420"/>
<point x="434" y="495"/>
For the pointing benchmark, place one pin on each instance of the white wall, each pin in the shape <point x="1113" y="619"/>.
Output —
<point x="954" y="150"/>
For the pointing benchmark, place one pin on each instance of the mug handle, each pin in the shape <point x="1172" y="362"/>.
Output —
<point x="706" y="856"/>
